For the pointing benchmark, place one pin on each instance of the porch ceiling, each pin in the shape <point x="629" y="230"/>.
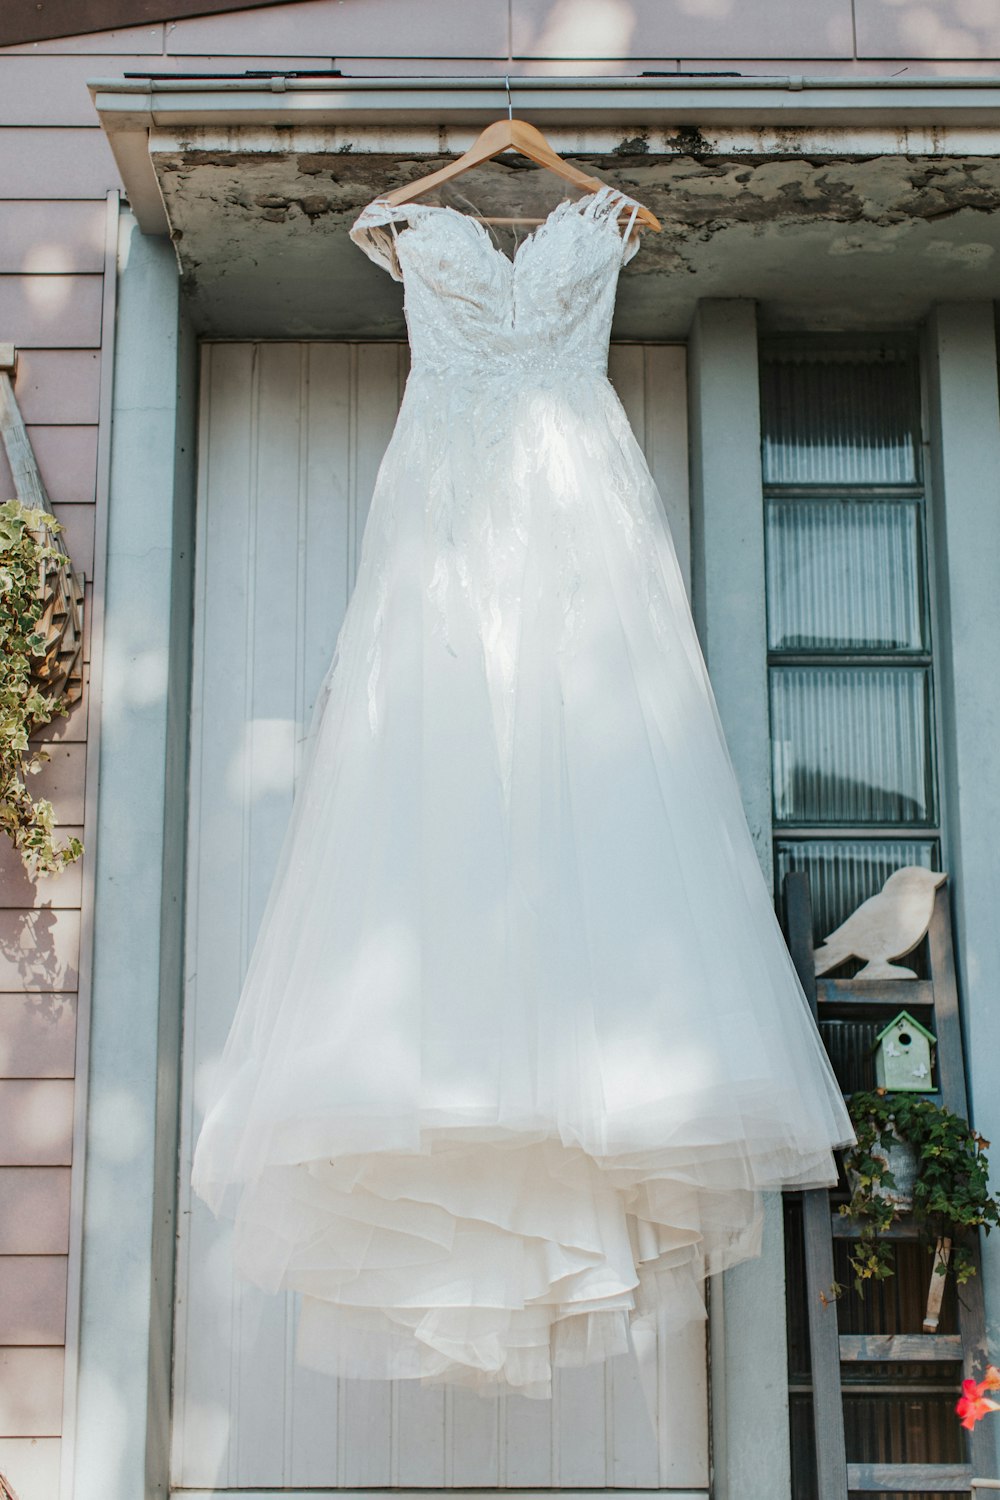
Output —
<point x="825" y="221"/>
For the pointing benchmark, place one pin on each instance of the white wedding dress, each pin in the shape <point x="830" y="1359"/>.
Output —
<point x="520" y="1042"/>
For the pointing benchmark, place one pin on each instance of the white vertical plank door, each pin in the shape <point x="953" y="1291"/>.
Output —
<point x="291" y="435"/>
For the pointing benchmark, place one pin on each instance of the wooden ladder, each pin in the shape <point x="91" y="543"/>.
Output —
<point x="839" y="999"/>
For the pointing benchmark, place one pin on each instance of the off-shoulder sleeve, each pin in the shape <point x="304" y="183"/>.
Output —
<point x="630" y="241"/>
<point x="611" y="204"/>
<point x="374" y="231"/>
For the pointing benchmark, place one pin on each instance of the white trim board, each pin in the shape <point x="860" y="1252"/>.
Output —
<point x="452" y="1494"/>
<point x="867" y="116"/>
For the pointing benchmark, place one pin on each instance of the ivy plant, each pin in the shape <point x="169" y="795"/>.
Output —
<point x="951" y="1196"/>
<point x="24" y="705"/>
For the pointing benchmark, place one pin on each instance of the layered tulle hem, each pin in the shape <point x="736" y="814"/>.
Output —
<point x="489" y="1263"/>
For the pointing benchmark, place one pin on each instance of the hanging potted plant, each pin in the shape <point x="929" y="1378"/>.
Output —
<point x="915" y="1156"/>
<point x="36" y="682"/>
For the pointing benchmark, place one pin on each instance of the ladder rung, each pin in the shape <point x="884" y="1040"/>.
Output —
<point x="843" y="1229"/>
<point x="918" y="1479"/>
<point x="874" y="992"/>
<point x="869" y="1347"/>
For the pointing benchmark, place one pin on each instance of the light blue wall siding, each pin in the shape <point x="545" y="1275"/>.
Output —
<point x="964" y="408"/>
<point x="131" y="1138"/>
<point x="747" y="1333"/>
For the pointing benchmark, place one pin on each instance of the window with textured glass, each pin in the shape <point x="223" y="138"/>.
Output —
<point x="849" y="642"/>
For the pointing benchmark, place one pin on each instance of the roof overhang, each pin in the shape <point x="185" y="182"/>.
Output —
<point x="230" y="166"/>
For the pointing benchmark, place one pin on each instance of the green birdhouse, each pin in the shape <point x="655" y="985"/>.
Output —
<point x="904" y="1056"/>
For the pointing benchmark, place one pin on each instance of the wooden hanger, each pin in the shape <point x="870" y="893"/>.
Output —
<point x="507" y="135"/>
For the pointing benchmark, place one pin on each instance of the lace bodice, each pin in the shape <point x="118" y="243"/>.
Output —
<point x="472" y="310"/>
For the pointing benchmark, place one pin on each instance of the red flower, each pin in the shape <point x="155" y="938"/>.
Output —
<point x="973" y="1404"/>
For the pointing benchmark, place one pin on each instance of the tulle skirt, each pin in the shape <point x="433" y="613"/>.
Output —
<point x="520" y="1042"/>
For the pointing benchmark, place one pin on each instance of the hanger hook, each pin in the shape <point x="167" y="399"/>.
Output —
<point x="510" y="102"/>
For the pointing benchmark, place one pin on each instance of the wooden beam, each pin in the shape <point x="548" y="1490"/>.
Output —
<point x="821" y="1299"/>
<point x="27" y="480"/>
<point x="916" y="1479"/>
<point x="41" y="20"/>
<point x="828" y="1410"/>
<point x="878" y="1347"/>
<point x="901" y="1229"/>
<point x="893" y="992"/>
<point x="948" y="1022"/>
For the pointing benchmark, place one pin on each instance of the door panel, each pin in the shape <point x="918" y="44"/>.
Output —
<point x="291" y="435"/>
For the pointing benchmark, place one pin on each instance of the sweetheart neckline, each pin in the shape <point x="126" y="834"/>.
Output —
<point x="558" y="210"/>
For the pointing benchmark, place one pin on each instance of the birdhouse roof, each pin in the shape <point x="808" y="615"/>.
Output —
<point x="911" y="1021"/>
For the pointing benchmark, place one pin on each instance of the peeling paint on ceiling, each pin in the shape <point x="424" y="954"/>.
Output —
<point x="831" y="241"/>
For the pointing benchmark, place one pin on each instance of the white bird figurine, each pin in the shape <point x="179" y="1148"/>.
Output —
<point x="886" y="926"/>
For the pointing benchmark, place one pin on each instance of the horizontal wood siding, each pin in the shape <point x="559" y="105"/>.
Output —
<point x="145" y="41"/>
<point x="48" y="236"/>
<point x="37" y="1036"/>
<point x="67" y="460"/>
<point x="48" y="311"/>
<point x="36" y="1122"/>
<point x="611" y="36"/>
<point x="56" y="173"/>
<point x="34" y="1210"/>
<point x="62" y="163"/>
<point x="59" y="387"/>
<point x="30" y="1395"/>
<point x="449" y="28"/>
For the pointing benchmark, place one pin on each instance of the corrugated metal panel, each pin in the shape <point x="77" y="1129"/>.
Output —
<point x="291" y="437"/>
